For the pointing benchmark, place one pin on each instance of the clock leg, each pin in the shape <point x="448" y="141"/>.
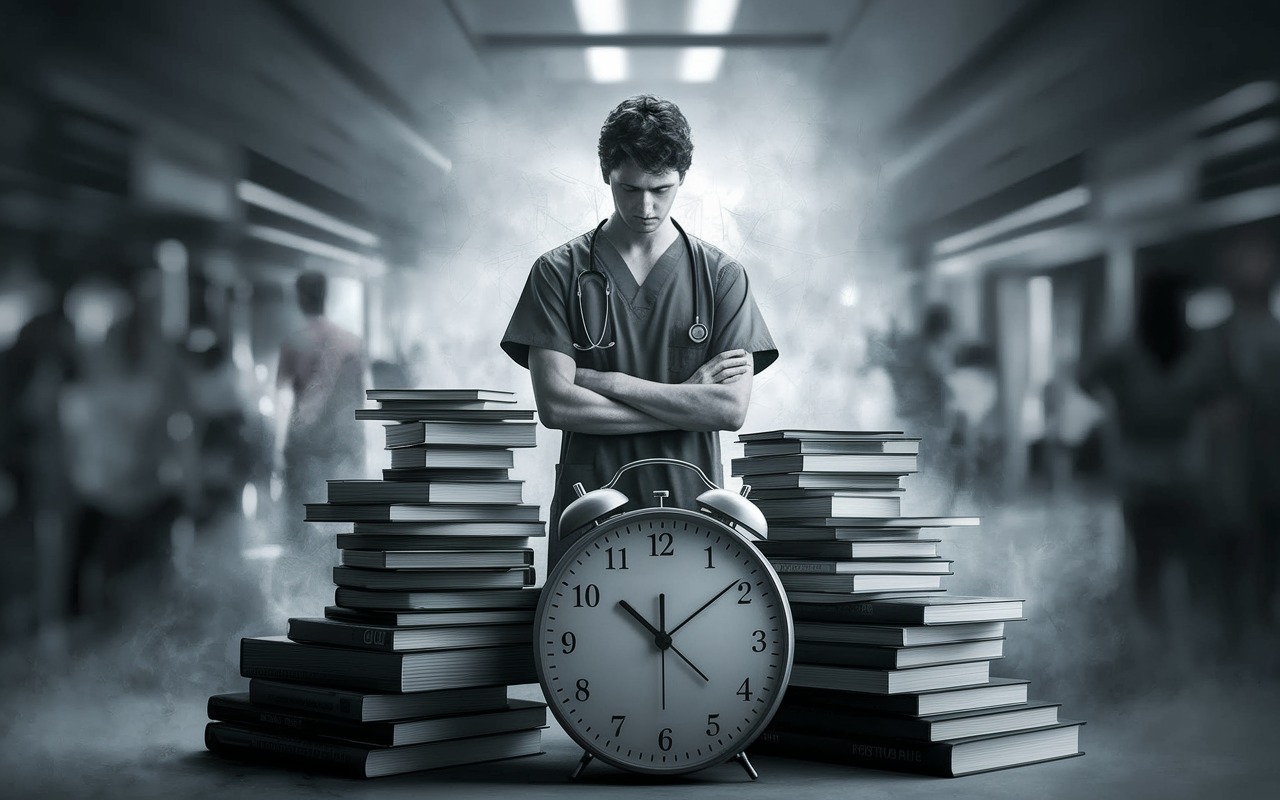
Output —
<point x="582" y="766"/>
<point x="741" y="758"/>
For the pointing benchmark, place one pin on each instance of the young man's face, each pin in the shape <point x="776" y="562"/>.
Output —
<point x="643" y="200"/>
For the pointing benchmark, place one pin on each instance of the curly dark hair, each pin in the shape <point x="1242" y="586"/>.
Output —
<point x="650" y="131"/>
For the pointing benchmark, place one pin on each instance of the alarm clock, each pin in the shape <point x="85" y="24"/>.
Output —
<point x="663" y="637"/>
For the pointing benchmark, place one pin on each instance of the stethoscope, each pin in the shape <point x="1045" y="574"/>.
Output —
<point x="698" y="332"/>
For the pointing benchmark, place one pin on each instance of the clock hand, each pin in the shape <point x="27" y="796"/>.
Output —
<point x="660" y="639"/>
<point x="704" y="607"/>
<point x="662" y="625"/>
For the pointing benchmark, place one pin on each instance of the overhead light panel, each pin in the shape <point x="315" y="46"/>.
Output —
<point x="702" y="64"/>
<point x="604" y="64"/>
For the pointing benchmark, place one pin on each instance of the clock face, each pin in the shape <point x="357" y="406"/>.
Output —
<point x="664" y="641"/>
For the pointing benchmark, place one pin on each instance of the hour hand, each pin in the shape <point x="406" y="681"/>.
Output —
<point x="627" y="608"/>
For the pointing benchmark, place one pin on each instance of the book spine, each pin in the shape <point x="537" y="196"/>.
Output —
<point x="839" y="722"/>
<point x="291" y="724"/>
<point x="332" y="704"/>
<point x="898" y="755"/>
<point x="363" y="638"/>
<point x="856" y="612"/>
<point x="231" y="739"/>
<point x="811" y="567"/>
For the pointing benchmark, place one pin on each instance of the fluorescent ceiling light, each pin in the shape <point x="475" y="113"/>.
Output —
<point x="302" y="243"/>
<point x="600" y="16"/>
<point x="607" y="64"/>
<point x="257" y="195"/>
<point x="604" y="64"/>
<point x="1039" y="211"/>
<point x="702" y="64"/>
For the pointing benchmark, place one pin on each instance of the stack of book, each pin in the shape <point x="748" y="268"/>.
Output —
<point x="890" y="672"/>
<point x="432" y="619"/>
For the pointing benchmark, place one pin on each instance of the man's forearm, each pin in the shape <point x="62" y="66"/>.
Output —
<point x="684" y="406"/>
<point x="579" y="409"/>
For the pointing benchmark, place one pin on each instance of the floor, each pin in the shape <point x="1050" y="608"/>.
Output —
<point x="116" y="709"/>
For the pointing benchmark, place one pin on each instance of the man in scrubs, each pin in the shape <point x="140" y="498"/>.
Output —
<point x="619" y="371"/>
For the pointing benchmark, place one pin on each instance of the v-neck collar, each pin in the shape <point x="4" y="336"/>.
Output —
<point x="640" y="297"/>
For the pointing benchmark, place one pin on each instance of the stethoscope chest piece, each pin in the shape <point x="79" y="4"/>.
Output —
<point x="698" y="332"/>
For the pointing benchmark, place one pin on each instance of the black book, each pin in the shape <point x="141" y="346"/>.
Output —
<point x="410" y="542"/>
<point x="825" y="480"/>
<point x="930" y="610"/>
<point x="806" y="434"/>
<point x="896" y="635"/>
<point x="441" y="395"/>
<point x="427" y="457"/>
<point x="890" y="681"/>
<point x="879" y="463"/>
<point x="896" y="657"/>
<point x="936" y="728"/>
<point x="419" y="619"/>
<point x="518" y="716"/>
<point x="382" y="512"/>
<point x="281" y="659"/>
<point x="400" y="640"/>
<point x="862" y="548"/>
<point x="469" y="600"/>
<point x="803" y="532"/>
<point x="456" y="528"/>
<point x="861" y="566"/>
<point x="780" y="447"/>
<point x="437" y="559"/>
<point x="415" y="474"/>
<point x="428" y="413"/>
<point x="363" y="760"/>
<point x="378" y="492"/>
<point x="471" y="434"/>
<point x="947" y="759"/>
<point x="830" y="505"/>
<point x="415" y="580"/>
<point x="995" y="692"/>
<point x="354" y="705"/>
<point x="798" y="582"/>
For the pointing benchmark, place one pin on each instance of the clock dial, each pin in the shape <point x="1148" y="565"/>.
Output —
<point x="665" y="641"/>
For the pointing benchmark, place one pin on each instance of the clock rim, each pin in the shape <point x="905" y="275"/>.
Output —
<point x="585" y="541"/>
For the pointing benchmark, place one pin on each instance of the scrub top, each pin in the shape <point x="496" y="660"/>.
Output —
<point x="650" y="325"/>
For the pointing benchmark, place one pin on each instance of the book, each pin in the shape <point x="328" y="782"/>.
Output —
<point x="938" y="727"/>
<point x="807" y="494"/>
<point x="825" y="480"/>
<point x="358" y="706"/>
<point x="879" y="463"/>
<point x="363" y="760"/>
<point x="472" y="434"/>
<point x="946" y="759"/>
<point x="380" y="492"/>
<point x="414" y="413"/>
<point x="995" y="692"/>
<point x="433" y="457"/>
<point x="456" y="528"/>
<point x="518" y="716"/>
<point x="854" y="583"/>
<point x="411" y="542"/>
<point x="831" y="506"/>
<point x="470" y="600"/>
<point x="396" y="512"/>
<point x="861" y="548"/>
<point x="896" y="635"/>
<point x="839" y="598"/>
<point x="393" y="639"/>
<point x="844" y="654"/>
<point x="876" y="522"/>
<point x="442" y="395"/>
<point x="889" y="681"/>
<point x="820" y="533"/>
<point x="282" y="659"/>
<point x="419" y="619"/>
<point x="806" y="434"/>
<point x="411" y="474"/>
<point x="933" y="610"/>
<point x="780" y="447"/>
<point x="407" y="580"/>
<point x="437" y="559"/>
<point x="862" y="566"/>
<point x="437" y="405"/>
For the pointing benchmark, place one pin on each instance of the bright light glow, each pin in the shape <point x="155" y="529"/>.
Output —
<point x="287" y="239"/>
<point x="261" y="196"/>
<point x="712" y="16"/>
<point x="600" y="16"/>
<point x="249" y="501"/>
<point x="1207" y="308"/>
<point x="265" y="552"/>
<point x="607" y="64"/>
<point x="700" y="64"/>
<point x="1040" y="289"/>
<point x="849" y="296"/>
<point x="266" y="407"/>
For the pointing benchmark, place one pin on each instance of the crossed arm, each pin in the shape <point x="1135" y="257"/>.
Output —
<point x="570" y="398"/>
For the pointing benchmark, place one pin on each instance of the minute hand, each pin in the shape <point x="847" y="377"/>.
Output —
<point x="704" y="607"/>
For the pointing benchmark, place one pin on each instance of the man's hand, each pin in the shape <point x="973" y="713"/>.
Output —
<point x="727" y="367"/>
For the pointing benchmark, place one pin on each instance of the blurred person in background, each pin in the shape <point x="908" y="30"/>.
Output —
<point x="1234" y="377"/>
<point x="974" y="385"/>
<point x="320" y="384"/>
<point x="1150" y="446"/>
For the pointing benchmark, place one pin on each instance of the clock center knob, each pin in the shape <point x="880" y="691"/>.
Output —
<point x="662" y="640"/>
